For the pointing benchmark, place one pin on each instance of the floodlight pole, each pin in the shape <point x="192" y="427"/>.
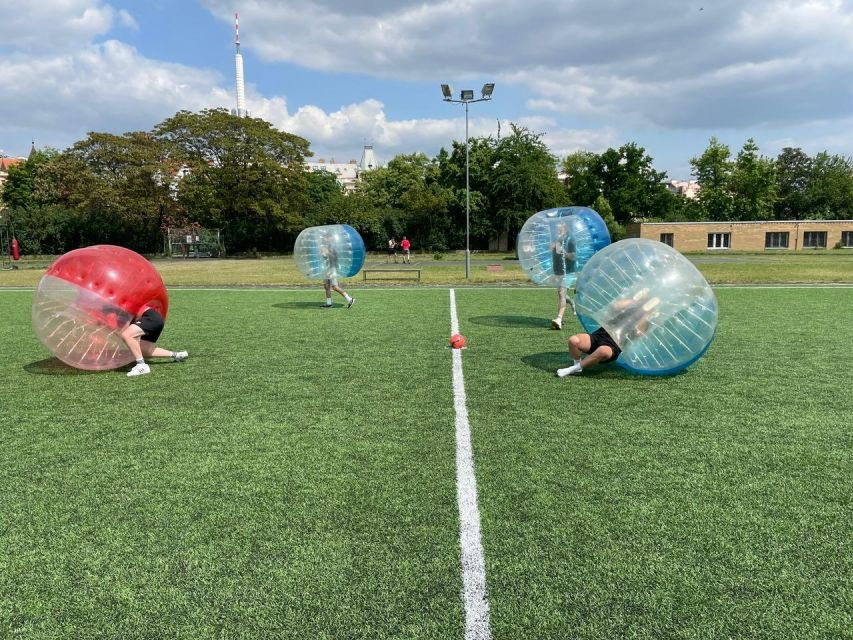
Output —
<point x="467" y="180"/>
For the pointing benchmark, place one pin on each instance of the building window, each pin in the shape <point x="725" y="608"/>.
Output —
<point x="719" y="240"/>
<point x="666" y="238"/>
<point x="814" y="240"/>
<point x="847" y="239"/>
<point x="776" y="240"/>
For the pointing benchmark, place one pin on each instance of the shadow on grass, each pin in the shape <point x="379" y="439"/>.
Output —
<point x="550" y="361"/>
<point x="55" y="367"/>
<point x="303" y="304"/>
<point x="512" y="322"/>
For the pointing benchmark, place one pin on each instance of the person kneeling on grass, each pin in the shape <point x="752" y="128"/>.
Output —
<point x="635" y="313"/>
<point x="140" y="336"/>
<point x="599" y="347"/>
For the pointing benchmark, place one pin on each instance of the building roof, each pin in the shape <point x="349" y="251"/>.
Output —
<point x="5" y="163"/>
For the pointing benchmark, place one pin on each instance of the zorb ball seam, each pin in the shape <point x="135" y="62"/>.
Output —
<point x="329" y="252"/>
<point x="87" y="297"/>
<point x="654" y="303"/>
<point x="554" y="245"/>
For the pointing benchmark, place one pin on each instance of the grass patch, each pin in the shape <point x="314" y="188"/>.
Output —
<point x="769" y="268"/>
<point x="295" y="478"/>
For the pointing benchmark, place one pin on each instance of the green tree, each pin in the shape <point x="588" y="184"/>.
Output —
<point x="583" y="181"/>
<point x="793" y="171"/>
<point x="753" y="184"/>
<point x="603" y="208"/>
<point x="246" y="177"/>
<point x="120" y="185"/>
<point x="19" y="188"/>
<point x="631" y="184"/>
<point x="713" y="170"/>
<point x="830" y="188"/>
<point x="522" y="181"/>
<point x="410" y="200"/>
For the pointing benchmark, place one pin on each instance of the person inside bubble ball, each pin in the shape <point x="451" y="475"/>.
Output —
<point x="331" y="283"/>
<point x="140" y="336"/>
<point x="633" y="317"/>
<point x="563" y="262"/>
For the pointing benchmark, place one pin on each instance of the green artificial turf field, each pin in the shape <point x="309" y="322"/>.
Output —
<point x="295" y="478"/>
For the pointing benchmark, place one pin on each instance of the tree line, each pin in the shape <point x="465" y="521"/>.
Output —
<point x="247" y="178"/>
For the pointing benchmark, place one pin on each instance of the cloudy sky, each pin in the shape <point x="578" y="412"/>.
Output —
<point x="589" y="74"/>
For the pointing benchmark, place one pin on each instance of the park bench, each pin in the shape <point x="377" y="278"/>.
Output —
<point x="415" y="272"/>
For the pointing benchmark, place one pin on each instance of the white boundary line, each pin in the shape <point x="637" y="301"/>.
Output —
<point x="477" y="624"/>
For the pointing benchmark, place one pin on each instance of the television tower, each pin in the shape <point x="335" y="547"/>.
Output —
<point x="238" y="61"/>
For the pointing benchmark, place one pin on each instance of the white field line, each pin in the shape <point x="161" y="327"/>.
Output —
<point x="477" y="625"/>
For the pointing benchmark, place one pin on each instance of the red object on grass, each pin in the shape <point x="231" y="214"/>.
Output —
<point x="457" y="341"/>
<point x="16" y="252"/>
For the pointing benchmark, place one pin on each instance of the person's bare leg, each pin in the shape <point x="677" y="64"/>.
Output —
<point x="602" y="354"/>
<point x="557" y="323"/>
<point x="150" y="350"/>
<point x="346" y="296"/>
<point x="579" y="344"/>
<point x="327" y="285"/>
<point x="131" y="335"/>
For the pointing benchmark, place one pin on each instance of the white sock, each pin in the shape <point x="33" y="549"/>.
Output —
<point x="328" y="301"/>
<point x="140" y="361"/>
<point x="578" y="364"/>
<point x="347" y="298"/>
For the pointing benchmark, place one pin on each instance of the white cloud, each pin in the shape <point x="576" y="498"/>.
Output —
<point x="54" y="25"/>
<point x="107" y="86"/>
<point x="669" y="63"/>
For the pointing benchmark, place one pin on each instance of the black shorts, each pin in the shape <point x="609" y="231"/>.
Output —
<point x="151" y="324"/>
<point x="392" y="252"/>
<point x="600" y="338"/>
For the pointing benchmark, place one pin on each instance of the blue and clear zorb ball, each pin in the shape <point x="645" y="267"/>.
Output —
<point x="329" y="252"/>
<point x="652" y="301"/>
<point x="554" y="245"/>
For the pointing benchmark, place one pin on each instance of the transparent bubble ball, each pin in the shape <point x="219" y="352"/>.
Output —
<point x="654" y="303"/>
<point x="85" y="299"/>
<point x="555" y="244"/>
<point x="329" y="252"/>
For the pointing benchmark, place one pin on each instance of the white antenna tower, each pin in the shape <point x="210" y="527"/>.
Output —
<point x="238" y="62"/>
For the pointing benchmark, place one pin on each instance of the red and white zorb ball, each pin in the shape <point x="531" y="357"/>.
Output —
<point x="87" y="297"/>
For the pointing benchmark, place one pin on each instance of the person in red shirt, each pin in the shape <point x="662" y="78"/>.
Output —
<point x="406" y="245"/>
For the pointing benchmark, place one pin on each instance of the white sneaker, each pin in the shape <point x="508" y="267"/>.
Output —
<point x="557" y="324"/>
<point x="139" y="370"/>
<point x="180" y="356"/>
<point x="350" y="303"/>
<point x="569" y="371"/>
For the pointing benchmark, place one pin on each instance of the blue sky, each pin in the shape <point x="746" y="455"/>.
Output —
<point x="589" y="74"/>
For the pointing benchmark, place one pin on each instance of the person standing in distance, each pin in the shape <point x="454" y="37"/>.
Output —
<point x="406" y="246"/>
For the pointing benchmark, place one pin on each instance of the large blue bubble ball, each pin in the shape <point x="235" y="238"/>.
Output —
<point x="555" y="244"/>
<point x="653" y="302"/>
<point x="329" y="252"/>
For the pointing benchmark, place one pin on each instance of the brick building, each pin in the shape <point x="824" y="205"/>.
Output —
<point x="759" y="235"/>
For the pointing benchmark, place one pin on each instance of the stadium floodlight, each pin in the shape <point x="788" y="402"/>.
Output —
<point x="467" y="97"/>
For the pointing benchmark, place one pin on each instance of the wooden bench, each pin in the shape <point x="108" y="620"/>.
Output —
<point x="416" y="272"/>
